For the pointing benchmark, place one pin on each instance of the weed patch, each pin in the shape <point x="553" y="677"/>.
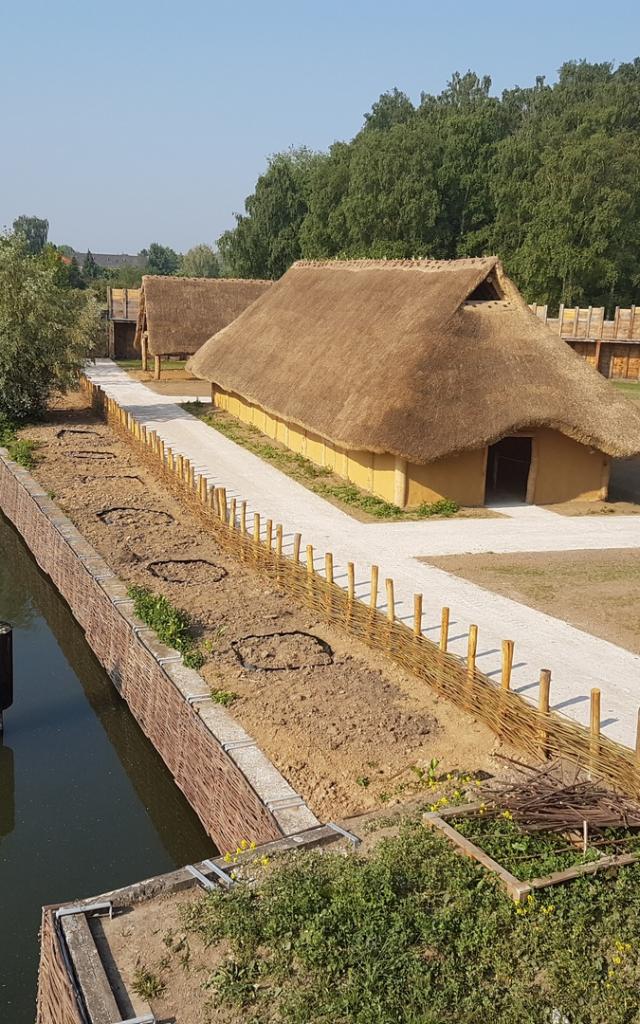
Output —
<point x="417" y="933"/>
<point x="172" y="626"/>
<point x="21" y="449"/>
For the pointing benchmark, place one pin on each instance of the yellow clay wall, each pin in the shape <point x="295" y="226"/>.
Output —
<point x="562" y="469"/>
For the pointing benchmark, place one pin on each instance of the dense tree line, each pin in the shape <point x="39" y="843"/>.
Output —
<point x="547" y="177"/>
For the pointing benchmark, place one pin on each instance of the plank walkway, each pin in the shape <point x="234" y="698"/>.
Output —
<point x="578" y="661"/>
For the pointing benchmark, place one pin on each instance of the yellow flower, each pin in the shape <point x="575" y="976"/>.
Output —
<point x="227" y="857"/>
<point x="264" y="860"/>
<point x="252" y="845"/>
<point x="616" y="959"/>
<point x="244" y="844"/>
<point x="508" y="815"/>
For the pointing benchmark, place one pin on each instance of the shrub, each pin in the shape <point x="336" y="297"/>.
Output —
<point x="46" y="330"/>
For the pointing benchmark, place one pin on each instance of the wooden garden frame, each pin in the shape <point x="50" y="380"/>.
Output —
<point x="516" y="888"/>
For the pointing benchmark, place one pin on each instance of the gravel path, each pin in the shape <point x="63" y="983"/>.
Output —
<point x="578" y="661"/>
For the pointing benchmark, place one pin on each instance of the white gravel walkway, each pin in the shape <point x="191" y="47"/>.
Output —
<point x="578" y="661"/>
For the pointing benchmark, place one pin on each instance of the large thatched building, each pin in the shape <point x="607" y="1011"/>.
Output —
<point x="418" y="380"/>
<point x="176" y="315"/>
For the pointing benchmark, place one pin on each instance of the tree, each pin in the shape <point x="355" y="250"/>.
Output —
<point x="90" y="269"/>
<point x="74" y="276"/>
<point x="34" y="231"/>
<point x="392" y="108"/>
<point x="265" y="240"/>
<point x="200" y="261"/>
<point x="46" y="331"/>
<point x="161" y="259"/>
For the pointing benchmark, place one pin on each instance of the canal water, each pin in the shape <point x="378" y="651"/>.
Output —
<point x="86" y="803"/>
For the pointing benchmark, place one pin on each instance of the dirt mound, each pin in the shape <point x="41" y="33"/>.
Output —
<point x="187" y="570"/>
<point x="277" y="652"/>
<point x="134" y="517"/>
<point x="91" y="455"/>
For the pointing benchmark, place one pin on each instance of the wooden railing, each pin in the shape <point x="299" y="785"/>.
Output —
<point x="123" y="303"/>
<point x="589" y="323"/>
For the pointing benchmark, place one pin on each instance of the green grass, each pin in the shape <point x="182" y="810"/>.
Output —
<point x="21" y="449"/>
<point x="167" y="364"/>
<point x="147" y="984"/>
<point x="307" y="472"/>
<point x="224" y="697"/>
<point x="172" y="626"/>
<point x="628" y="387"/>
<point x="417" y="934"/>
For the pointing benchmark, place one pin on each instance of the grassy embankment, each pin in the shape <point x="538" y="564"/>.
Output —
<point x="318" y="479"/>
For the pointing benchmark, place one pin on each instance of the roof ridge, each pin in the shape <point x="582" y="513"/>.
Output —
<point x="418" y="263"/>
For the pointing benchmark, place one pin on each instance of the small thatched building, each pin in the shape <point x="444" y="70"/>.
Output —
<point x="418" y="380"/>
<point x="177" y="314"/>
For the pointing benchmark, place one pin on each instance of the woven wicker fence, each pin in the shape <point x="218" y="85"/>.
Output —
<point x="536" y="731"/>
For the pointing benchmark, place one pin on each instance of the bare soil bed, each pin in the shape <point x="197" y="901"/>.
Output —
<point x="346" y="730"/>
<point x="598" y="591"/>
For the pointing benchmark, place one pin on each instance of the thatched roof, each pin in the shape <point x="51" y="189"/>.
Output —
<point x="180" y="313"/>
<point x="414" y="358"/>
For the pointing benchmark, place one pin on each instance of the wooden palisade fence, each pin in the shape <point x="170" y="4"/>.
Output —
<point x="536" y="731"/>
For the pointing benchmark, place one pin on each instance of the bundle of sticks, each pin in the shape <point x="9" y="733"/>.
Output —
<point x="543" y="799"/>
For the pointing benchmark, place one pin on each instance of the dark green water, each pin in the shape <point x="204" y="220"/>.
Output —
<point x="86" y="804"/>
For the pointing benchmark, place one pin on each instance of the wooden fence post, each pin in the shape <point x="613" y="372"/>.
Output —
<point x="279" y="540"/>
<point x="472" y="649"/>
<point x="351" y="582"/>
<point x="391" y="605"/>
<point x="256" y="533"/>
<point x="373" y="601"/>
<point x="543" y="707"/>
<point x="417" y="614"/>
<point x="594" y="726"/>
<point x="444" y="629"/>
<point x="232" y="514"/>
<point x="243" y="517"/>
<point x="297" y="539"/>
<point x="310" y="570"/>
<point x="507" y="664"/>
<point x="269" y="537"/>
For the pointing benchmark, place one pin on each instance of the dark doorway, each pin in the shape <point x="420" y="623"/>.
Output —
<point x="508" y="466"/>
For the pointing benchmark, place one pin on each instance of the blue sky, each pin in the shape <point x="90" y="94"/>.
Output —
<point x="131" y="122"/>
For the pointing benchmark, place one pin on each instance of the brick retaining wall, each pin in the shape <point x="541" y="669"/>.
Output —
<point x="232" y="786"/>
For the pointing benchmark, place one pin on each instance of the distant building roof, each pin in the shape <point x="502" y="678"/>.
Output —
<point x="113" y="261"/>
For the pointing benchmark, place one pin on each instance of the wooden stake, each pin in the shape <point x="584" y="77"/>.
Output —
<point x="594" y="722"/>
<point x="232" y="514"/>
<point x="157" y="367"/>
<point x="373" y="601"/>
<point x="297" y="539"/>
<point x="543" y="707"/>
<point x="472" y="648"/>
<point x="351" y="584"/>
<point x="444" y="629"/>
<point x="391" y="605"/>
<point x="211" y="499"/>
<point x="417" y="614"/>
<point x="328" y="567"/>
<point x="507" y="664"/>
<point x="269" y="540"/>
<point x="256" y="528"/>
<point x="279" y="541"/>
<point x="309" y="560"/>
<point x="223" y="504"/>
<point x="181" y="468"/>
<point x="202" y="488"/>
<point x="243" y="517"/>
